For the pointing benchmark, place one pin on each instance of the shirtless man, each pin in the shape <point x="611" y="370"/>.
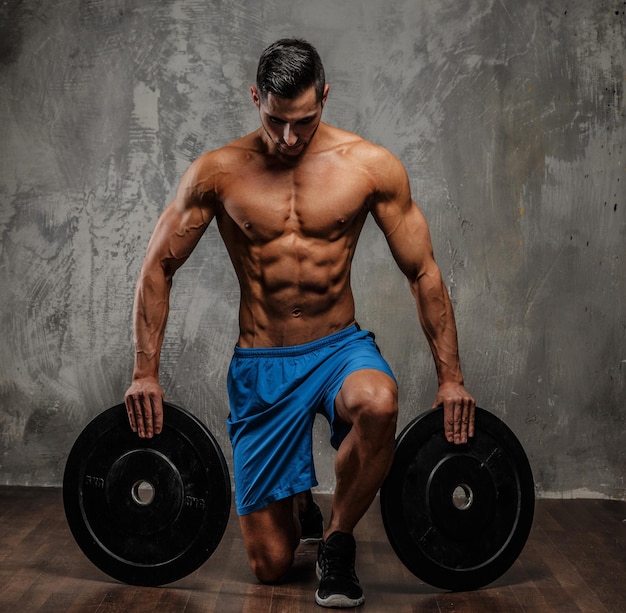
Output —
<point x="290" y="201"/>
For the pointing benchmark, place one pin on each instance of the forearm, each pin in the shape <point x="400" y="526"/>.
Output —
<point x="437" y="320"/>
<point x="149" y="320"/>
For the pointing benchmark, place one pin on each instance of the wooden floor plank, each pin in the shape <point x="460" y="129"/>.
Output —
<point x="574" y="561"/>
<point x="494" y="600"/>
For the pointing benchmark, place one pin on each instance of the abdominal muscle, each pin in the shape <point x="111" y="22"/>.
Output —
<point x="294" y="292"/>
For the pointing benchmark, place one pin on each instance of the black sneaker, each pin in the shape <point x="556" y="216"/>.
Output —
<point x="339" y="586"/>
<point x="312" y="522"/>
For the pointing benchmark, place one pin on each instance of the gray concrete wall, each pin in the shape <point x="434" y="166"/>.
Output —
<point x="508" y="114"/>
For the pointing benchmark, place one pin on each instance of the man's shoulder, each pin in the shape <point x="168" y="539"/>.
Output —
<point x="338" y="138"/>
<point x="350" y="143"/>
<point x="232" y="152"/>
<point x="203" y="174"/>
<point x="382" y="167"/>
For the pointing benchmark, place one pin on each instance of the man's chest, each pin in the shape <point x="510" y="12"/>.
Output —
<point x="319" y="200"/>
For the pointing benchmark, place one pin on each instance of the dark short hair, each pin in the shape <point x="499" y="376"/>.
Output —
<point x="288" y="67"/>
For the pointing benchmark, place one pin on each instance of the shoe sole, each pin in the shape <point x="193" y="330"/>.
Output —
<point x="339" y="601"/>
<point x="310" y="540"/>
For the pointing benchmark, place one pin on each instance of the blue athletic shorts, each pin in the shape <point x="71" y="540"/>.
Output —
<point x="274" y="395"/>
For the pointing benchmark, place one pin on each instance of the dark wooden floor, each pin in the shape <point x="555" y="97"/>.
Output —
<point x="575" y="560"/>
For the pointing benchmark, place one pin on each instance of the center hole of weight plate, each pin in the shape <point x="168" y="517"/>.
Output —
<point x="462" y="497"/>
<point x="143" y="492"/>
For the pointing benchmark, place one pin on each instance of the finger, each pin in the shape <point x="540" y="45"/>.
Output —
<point x="458" y="423"/>
<point x="139" y="416"/>
<point x="157" y="411"/>
<point x="467" y="419"/>
<point x="472" y="417"/>
<point x="147" y="416"/>
<point x="464" y="422"/>
<point x="448" y="422"/>
<point x="130" y="411"/>
<point x="153" y="414"/>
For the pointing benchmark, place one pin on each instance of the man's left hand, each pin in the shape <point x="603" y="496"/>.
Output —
<point x="458" y="412"/>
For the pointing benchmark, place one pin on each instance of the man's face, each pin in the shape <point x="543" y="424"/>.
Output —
<point x="290" y="123"/>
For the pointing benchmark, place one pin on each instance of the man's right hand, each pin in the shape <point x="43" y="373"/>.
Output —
<point x="144" y="405"/>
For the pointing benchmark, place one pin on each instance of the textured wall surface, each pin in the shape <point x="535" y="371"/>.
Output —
<point x="508" y="114"/>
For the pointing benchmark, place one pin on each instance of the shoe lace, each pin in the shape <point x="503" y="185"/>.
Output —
<point x="338" y="561"/>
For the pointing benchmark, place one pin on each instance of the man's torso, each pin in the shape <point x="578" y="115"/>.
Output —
<point x="291" y="230"/>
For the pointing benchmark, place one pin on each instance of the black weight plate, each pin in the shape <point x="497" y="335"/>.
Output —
<point x="146" y="511"/>
<point x="458" y="516"/>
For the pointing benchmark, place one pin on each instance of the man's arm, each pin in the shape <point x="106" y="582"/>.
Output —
<point x="176" y="234"/>
<point x="408" y="236"/>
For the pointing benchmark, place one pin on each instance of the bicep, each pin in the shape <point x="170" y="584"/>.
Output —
<point x="408" y="237"/>
<point x="404" y="226"/>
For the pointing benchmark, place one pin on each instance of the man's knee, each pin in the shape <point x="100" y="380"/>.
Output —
<point x="270" y="564"/>
<point x="370" y="399"/>
<point x="270" y="536"/>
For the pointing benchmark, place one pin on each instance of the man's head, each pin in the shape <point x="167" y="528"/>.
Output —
<point x="290" y="95"/>
<point x="288" y="67"/>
